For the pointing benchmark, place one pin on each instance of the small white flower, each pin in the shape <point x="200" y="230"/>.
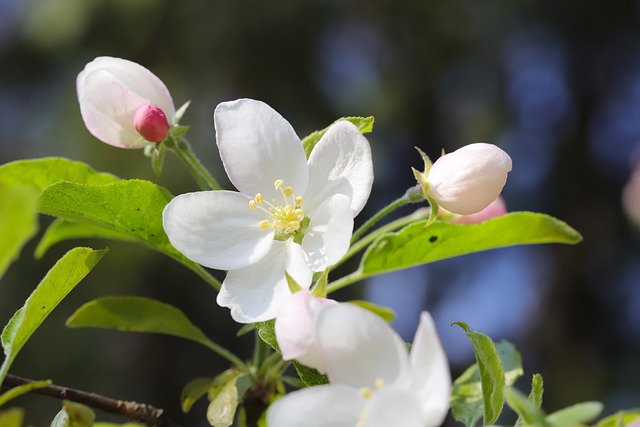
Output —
<point x="374" y="380"/>
<point x="111" y="91"/>
<point x="290" y="214"/>
<point x="467" y="180"/>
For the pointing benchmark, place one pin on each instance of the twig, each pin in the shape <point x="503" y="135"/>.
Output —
<point x="133" y="411"/>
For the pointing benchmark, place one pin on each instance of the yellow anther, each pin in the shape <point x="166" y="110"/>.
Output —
<point x="259" y="200"/>
<point x="265" y="224"/>
<point x="299" y="213"/>
<point x="379" y="383"/>
<point x="278" y="184"/>
<point x="287" y="191"/>
<point x="252" y="205"/>
<point x="299" y="200"/>
<point x="366" y="392"/>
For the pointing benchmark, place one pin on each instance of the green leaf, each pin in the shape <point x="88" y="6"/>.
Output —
<point x="74" y="415"/>
<point x="198" y="387"/>
<point x="466" y="395"/>
<point x="535" y="396"/>
<point x="579" y="413"/>
<point x="492" y="375"/>
<point x="310" y="376"/>
<point x="385" y="313"/>
<point x="132" y="207"/>
<point x="40" y="173"/>
<point x="537" y="389"/>
<point x="60" y="230"/>
<point x="58" y="282"/>
<point x="20" y="390"/>
<point x="12" y="417"/>
<point x="222" y="409"/>
<point x="526" y="409"/>
<point x="364" y="125"/>
<point x="18" y="221"/>
<point x="415" y="245"/>
<point x="621" y="419"/>
<point x="136" y="314"/>
<point x="267" y="333"/>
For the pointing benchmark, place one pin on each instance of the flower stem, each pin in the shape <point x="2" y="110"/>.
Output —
<point x="260" y="351"/>
<point x="346" y="280"/>
<point x="418" y="215"/>
<point x="405" y="199"/>
<point x="183" y="150"/>
<point x="224" y="353"/>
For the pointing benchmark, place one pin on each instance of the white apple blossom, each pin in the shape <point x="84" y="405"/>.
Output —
<point x="290" y="214"/>
<point x="111" y="91"/>
<point x="374" y="380"/>
<point x="467" y="180"/>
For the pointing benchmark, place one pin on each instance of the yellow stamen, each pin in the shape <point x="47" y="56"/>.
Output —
<point x="366" y="392"/>
<point x="299" y="201"/>
<point x="265" y="224"/>
<point x="278" y="184"/>
<point x="379" y="383"/>
<point x="287" y="191"/>
<point x="252" y="205"/>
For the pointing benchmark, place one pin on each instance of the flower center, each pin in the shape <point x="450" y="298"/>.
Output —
<point x="286" y="217"/>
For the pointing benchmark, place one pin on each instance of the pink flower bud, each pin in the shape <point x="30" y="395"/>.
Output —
<point x="151" y="122"/>
<point x="469" y="179"/>
<point x="112" y="91"/>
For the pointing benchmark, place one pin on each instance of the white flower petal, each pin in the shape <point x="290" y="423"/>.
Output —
<point x="395" y="407"/>
<point x="108" y="108"/>
<point x="135" y="78"/>
<point x="340" y="164"/>
<point x="256" y="293"/>
<point x="469" y="179"/>
<point x="359" y="348"/>
<point x="327" y="237"/>
<point x="430" y="375"/>
<point x="217" y="229"/>
<point x="295" y="329"/>
<point x="318" y="406"/>
<point x="258" y="146"/>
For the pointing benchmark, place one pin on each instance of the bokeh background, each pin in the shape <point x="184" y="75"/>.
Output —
<point x="555" y="84"/>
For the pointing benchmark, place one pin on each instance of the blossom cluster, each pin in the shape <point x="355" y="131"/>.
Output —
<point x="291" y="218"/>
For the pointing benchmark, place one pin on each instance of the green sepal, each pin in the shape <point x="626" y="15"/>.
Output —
<point x="293" y="285"/>
<point x="267" y="333"/>
<point x="320" y="289"/>
<point x="620" y="419"/>
<point x="310" y="376"/>
<point x="385" y="313"/>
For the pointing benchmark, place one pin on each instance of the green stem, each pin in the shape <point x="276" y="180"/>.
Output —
<point x="183" y="150"/>
<point x="260" y="351"/>
<point x="204" y="275"/>
<point x="419" y="214"/>
<point x="224" y="353"/>
<point x="405" y="199"/>
<point x="346" y="280"/>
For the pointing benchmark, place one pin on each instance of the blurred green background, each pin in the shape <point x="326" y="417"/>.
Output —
<point x="555" y="84"/>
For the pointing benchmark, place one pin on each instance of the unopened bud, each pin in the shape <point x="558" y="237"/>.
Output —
<point x="151" y="123"/>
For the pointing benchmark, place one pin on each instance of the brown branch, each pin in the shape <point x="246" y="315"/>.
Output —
<point x="133" y="411"/>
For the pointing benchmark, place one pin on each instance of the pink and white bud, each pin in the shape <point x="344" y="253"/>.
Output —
<point x="111" y="91"/>
<point x="467" y="180"/>
<point x="151" y="123"/>
<point x="296" y="330"/>
<point x="495" y="209"/>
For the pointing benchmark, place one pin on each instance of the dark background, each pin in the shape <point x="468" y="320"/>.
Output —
<point x="555" y="84"/>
